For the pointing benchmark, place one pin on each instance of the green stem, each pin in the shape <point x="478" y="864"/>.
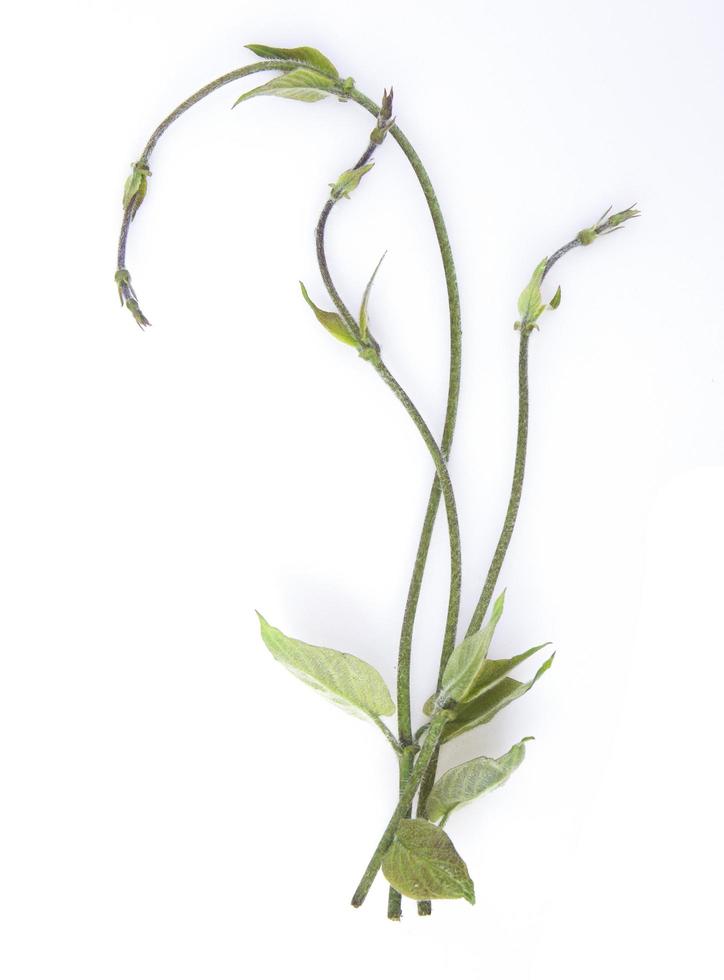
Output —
<point x="516" y="489"/>
<point x="521" y="446"/>
<point x="404" y="714"/>
<point x="423" y="548"/>
<point x="434" y="735"/>
<point x="158" y="132"/>
<point x="425" y="908"/>
<point x="407" y="758"/>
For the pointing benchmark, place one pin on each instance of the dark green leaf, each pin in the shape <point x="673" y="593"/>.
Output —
<point x="423" y="864"/>
<point x="484" y="708"/>
<point x="307" y="56"/>
<point x="363" y="318"/>
<point x="346" y="680"/>
<point x="472" y="779"/>
<point x="303" y="84"/>
<point x="556" y="301"/>
<point x="331" y="321"/>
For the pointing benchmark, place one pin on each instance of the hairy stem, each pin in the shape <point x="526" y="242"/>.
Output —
<point x="434" y="734"/>
<point x="404" y="712"/>
<point x="158" y="132"/>
<point x="521" y="446"/>
<point x="516" y="490"/>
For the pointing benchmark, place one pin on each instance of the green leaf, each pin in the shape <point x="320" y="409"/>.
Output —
<point x="484" y="708"/>
<point x="529" y="301"/>
<point x="556" y="301"/>
<point x="348" y="681"/>
<point x="468" y="658"/>
<point x="467" y="782"/>
<point x="422" y="863"/>
<point x="363" y="318"/>
<point x="132" y="186"/>
<point x="303" y="84"/>
<point x="331" y="321"/>
<point x="307" y="56"/>
<point x="491" y="673"/>
<point x="348" y="181"/>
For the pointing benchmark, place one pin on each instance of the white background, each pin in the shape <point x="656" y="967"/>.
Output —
<point x="175" y="804"/>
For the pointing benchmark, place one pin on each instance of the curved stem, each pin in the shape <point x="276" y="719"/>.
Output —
<point x="158" y="132"/>
<point x="423" y="548"/>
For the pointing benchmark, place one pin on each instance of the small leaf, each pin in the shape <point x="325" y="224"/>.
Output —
<point x="307" y="56"/>
<point x="556" y="301"/>
<point x="363" y="318"/>
<point x="467" y="782"/>
<point x="302" y="84"/>
<point x="348" y="681"/>
<point x="484" y="708"/>
<point x="131" y="187"/>
<point x="331" y="321"/>
<point x="468" y="657"/>
<point x="422" y="863"/>
<point x="529" y="301"/>
<point x="348" y="181"/>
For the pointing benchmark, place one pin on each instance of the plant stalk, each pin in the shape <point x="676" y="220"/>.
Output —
<point x="434" y="734"/>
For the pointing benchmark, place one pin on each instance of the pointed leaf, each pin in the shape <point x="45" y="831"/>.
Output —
<point x="422" y="863"/>
<point x="468" y="657"/>
<point x="348" y="181"/>
<point x="491" y="673"/>
<point x="363" y="318"/>
<point x="467" y="782"/>
<point x="331" y="321"/>
<point x="307" y="56"/>
<point x="529" y="301"/>
<point x="484" y="708"/>
<point x="556" y="301"/>
<point x="301" y="83"/>
<point x="348" y="681"/>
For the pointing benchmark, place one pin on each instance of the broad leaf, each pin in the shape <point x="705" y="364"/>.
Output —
<point x="307" y="56"/>
<point x="472" y="779"/>
<point x="331" y="321"/>
<point x="350" y="682"/>
<point x="303" y="84"/>
<point x="491" y="673"/>
<point x="363" y="317"/>
<point x="484" y="708"/>
<point x="423" y="864"/>
<point x="348" y="181"/>
<point x="468" y="658"/>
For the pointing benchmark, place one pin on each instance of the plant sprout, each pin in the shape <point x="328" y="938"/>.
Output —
<point x="415" y="852"/>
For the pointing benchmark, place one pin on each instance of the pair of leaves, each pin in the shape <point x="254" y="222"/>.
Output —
<point x="422" y="863"/>
<point x="530" y="301"/>
<point x="344" y="679"/>
<point x="334" y="323"/>
<point x="484" y="708"/>
<point x="472" y="779"/>
<point x="478" y="687"/>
